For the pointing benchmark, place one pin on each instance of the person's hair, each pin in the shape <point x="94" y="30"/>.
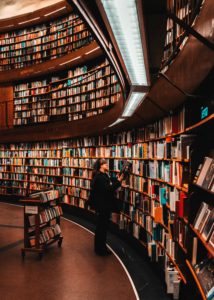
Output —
<point x="98" y="163"/>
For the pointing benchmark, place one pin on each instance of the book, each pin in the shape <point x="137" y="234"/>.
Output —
<point x="171" y="275"/>
<point x="209" y="177"/>
<point x="204" y="219"/>
<point x="158" y="214"/>
<point x="199" y="215"/>
<point x="211" y="239"/>
<point x="209" y="225"/>
<point x="163" y="195"/>
<point x="186" y="142"/>
<point x="208" y="161"/>
<point x="204" y="271"/>
<point x="194" y="250"/>
<point x="176" y="289"/>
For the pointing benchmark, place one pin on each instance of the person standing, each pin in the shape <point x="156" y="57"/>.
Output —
<point x="103" y="191"/>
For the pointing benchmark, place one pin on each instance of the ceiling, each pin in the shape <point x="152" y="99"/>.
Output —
<point x="11" y="8"/>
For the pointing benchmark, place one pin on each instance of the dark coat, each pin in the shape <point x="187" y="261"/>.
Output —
<point x="103" y="193"/>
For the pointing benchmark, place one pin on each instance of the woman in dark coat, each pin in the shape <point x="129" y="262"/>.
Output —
<point x="102" y="191"/>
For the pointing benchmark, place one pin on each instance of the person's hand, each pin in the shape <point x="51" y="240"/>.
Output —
<point x="120" y="177"/>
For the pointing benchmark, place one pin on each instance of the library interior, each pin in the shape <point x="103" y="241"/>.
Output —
<point x="107" y="149"/>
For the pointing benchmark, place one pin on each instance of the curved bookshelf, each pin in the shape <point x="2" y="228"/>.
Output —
<point x="67" y="165"/>
<point x="196" y="280"/>
<point x="34" y="45"/>
<point x="209" y="248"/>
<point x="176" y="35"/>
<point x="82" y="92"/>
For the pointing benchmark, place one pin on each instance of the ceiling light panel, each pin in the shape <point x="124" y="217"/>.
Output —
<point x="123" y="19"/>
<point x="133" y="102"/>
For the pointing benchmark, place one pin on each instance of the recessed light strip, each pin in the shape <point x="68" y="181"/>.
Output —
<point x="116" y="122"/>
<point x="123" y="19"/>
<point x="29" y="20"/>
<point x="102" y="40"/>
<point x="134" y="100"/>
<point x="66" y="62"/>
<point x="54" y="11"/>
<point x="8" y="26"/>
<point x="92" y="50"/>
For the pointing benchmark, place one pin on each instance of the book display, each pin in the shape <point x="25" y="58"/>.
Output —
<point x="33" y="45"/>
<point x="41" y="221"/>
<point x="80" y="93"/>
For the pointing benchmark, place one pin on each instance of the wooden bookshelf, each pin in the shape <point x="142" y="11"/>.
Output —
<point x="173" y="261"/>
<point x="196" y="280"/>
<point x="205" y="190"/>
<point x="83" y="92"/>
<point x="209" y="248"/>
<point x="67" y="164"/>
<point x="42" y="42"/>
<point x="176" y="35"/>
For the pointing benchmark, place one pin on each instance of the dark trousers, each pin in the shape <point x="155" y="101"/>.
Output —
<point x="101" y="231"/>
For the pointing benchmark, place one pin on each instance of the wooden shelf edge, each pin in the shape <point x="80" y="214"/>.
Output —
<point x="206" y="245"/>
<point x="208" y="191"/>
<point x="174" y="263"/>
<point x="196" y="280"/>
<point x="76" y="58"/>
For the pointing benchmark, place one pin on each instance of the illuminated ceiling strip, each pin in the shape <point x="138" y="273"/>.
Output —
<point x="134" y="100"/>
<point x="66" y="62"/>
<point x="116" y="122"/>
<point x="102" y="39"/>
<point x="54" y="11"/>
<point x="12" y="25"/>
<point x="123" y="19"/>
<point x="92" y="50"/>
<point x="29" y="20"/>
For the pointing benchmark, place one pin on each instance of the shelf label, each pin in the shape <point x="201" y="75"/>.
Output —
<point x="31" y="210"/>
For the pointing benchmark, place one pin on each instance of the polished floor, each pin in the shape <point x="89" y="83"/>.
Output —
<point x="72" y="272"/>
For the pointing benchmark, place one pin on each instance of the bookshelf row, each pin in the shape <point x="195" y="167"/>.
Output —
<point x="176" y="36"/>
<point x="78" y="93"/>
<point x="33" y="45"/>
<point x="156" y="206"/>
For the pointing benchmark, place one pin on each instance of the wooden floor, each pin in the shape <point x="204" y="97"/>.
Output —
<point x="72" y="272"/>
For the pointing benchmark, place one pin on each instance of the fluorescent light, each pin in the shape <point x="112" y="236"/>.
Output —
<point x="123" y="18"/>
<point x="29" y="20"/>
<point x="54" y="11"/>
<point x="92" y="50"/>
<point x="116" y="122"/>
<point x="134" y="100"/>
<point x="100" y="37"/>
<point x="66" y="62"/>
<point x="12" y="25"/>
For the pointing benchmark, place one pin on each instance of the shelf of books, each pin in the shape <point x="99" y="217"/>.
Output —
<point x="200" y="258"/>
<point x="33" y="45"/>
<point x="76" y="94"/>
<point x="176" y="35"/>
<point x="203" y="276"/>
<point x="158" y="206"/>
<point x="42" y="213"/>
